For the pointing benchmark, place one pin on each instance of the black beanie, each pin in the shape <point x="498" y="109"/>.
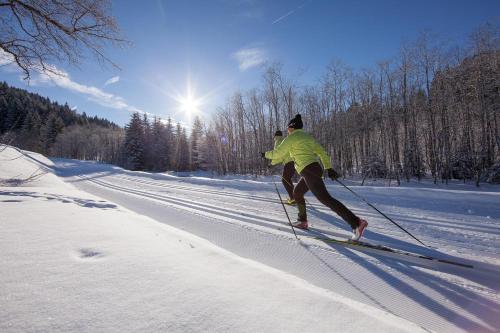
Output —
<point x="278" y="133"/>
<point x="296" y="122"/>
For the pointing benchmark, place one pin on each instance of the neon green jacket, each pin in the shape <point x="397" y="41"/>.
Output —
<point x="303" y="150"/>
<point x="284" y="160"/>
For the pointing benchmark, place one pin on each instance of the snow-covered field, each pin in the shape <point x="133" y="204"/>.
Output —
<point x="92" y="247"/>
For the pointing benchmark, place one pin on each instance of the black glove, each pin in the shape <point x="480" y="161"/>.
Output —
<point x="263" y="155"/>
<point x="332" y="174"/>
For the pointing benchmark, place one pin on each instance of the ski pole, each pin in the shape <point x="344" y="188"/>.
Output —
<point x="282" y="204"/>
<point x="387" y="217"/>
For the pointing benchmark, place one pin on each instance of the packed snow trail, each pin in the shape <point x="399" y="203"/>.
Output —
<point x="74" y="262"/>
<point x="245" y="217"/>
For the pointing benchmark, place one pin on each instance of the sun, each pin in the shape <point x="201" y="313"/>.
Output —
<point x="189" y="104"/>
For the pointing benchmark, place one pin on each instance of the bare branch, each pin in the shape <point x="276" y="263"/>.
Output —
<point x="38" y="33"/>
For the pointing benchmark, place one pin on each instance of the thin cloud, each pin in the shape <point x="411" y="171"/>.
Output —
<point x="112" y="80"/>
<point x="63" y="80"/>
<point x="253" y="13"/>
<point x="289" y="13"/>
<point x="245" y="9"/>
<point x="161" y="9"/>
<point x="5" y="58"/>
<point x="60" y="78"/>
<point x="250" y="57"/>
<point x="7" y="62"/>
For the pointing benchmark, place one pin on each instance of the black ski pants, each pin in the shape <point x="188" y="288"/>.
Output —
<point x="311" y="179"/>
<point x="286" y="178"/>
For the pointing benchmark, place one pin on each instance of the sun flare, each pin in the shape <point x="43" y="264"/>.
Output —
<point x="189" y="104"/>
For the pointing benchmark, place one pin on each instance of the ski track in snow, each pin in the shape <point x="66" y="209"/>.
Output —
<point x="245" y="218"/>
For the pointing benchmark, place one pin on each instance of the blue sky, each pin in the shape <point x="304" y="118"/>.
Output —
<point x="213" y="48"/>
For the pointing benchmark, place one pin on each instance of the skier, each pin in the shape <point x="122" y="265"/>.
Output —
<point x="304" y="151"/>
<point x="288" y="168"/>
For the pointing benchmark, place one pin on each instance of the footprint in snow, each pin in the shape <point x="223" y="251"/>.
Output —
<point x="87" y="253"/>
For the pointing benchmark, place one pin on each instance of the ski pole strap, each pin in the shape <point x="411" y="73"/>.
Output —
<point x="387" y="217"/>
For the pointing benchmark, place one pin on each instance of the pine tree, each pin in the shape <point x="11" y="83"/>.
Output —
<point x="196" y="158"/>
<point x="181" y="156"/>
<point x="170" y="144"/>
<point x="50" y="130"/>
<point x="134" y="143"/>
<point x="30" y="132"/>
<point x="147" y="143"/>
<point x="160" y="146"/>
<point x="184" y="151"/>
<point x="3" y="106"/>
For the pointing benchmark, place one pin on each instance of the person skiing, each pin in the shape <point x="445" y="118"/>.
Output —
<point x="288" y="168"/>
<point x="304" y="151"/>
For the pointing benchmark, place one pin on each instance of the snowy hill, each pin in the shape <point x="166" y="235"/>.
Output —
<point x="92" y="247"/>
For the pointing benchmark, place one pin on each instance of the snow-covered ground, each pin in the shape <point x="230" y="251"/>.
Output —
<point x="92" y="247"/>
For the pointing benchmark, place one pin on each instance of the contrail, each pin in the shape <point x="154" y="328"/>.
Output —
<point x="284" y="16"/>
<point x="289" y="13"/>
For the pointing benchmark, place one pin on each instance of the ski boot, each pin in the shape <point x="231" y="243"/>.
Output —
<point x="358" y="232"/>
<point x="290" y="202"/>
<point x="301" y="225"/>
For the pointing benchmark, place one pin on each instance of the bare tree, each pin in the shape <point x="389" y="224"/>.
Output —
<point x="426" y="111"/>
<point x="35" y="33"/>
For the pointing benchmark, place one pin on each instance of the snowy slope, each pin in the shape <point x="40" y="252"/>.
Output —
<point x="180" y="282"/>
<point x="72" y="261"/>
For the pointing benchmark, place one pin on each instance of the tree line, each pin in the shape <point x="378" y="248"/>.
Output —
<point x="32" y="122"/>
<point x="159" y="145"/>
<point x="430" y="110"/>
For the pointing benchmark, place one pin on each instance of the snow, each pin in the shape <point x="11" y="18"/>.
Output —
<point x="92" y="247"/>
